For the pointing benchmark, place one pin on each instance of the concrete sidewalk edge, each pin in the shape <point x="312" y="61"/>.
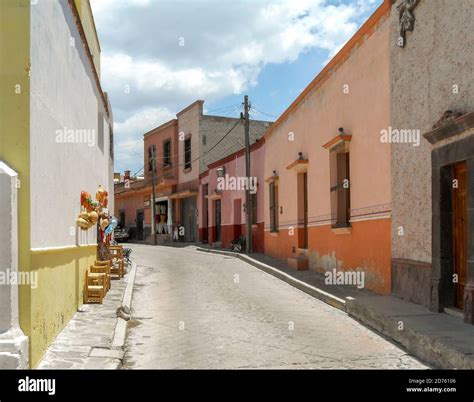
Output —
<point x="120" y="332"/>
<point x="429" y="349"/>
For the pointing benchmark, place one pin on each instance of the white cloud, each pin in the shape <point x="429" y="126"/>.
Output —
<point x="226" y="46"/>
<point x="129" y="133"/>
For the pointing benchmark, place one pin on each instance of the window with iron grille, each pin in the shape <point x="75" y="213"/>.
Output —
<point x="273" y="207"/>
<point x="340" y="186"/>
<point x="254" y="208"/>
<point x="167" y="153"/>
<point x="187" y="153"/>
<point x="151" y="152"/>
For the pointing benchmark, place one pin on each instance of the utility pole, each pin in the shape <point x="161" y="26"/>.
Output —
<point x="248" y="198"/>
<point x="153" y="168"/>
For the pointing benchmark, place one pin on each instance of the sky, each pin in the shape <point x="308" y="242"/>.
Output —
<point x="158" y="56"/>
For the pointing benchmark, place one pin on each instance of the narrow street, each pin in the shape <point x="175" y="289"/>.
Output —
<point x="198" y="310"/>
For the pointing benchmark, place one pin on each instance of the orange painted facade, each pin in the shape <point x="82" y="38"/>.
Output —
<point x="332" y="131"/>
<point x="366" y="248"/>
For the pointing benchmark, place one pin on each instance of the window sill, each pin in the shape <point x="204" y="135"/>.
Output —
<point x="277" y="233"/>
<point x="187" y="170"/>
<point x="344" y="230"/>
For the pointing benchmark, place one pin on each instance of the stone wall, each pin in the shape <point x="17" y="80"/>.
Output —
<point x="432" y="73"/>
<point x="438" y="55"/>
<point x="213" y="129"/>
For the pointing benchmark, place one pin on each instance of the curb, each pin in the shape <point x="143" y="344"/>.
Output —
<point x="432" y="350"/>
<point x="304" y="287"/>
<point x="116" y="350"/>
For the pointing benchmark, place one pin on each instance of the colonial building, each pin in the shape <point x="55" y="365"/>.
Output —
<point x="222" y="199"/>
<point x="432" y="91"/>
<point x="327" y="170"/>
<point x="183" y="148"/>
<point x="55" y="141"/>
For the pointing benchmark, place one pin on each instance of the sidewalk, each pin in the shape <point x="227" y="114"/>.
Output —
<point x="95" y="336"/>
<point x="439" y="339"/>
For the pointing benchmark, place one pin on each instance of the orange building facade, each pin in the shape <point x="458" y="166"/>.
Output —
<point x="327" y="169"/>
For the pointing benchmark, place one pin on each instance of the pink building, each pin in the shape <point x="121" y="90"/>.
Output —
<point x="328" y="171"/>
<point x="222" y="198"/>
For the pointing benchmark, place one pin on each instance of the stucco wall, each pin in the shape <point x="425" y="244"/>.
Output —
<point x="438" y="54"/>
<point x="235" y="168"/>
<point x="188" y="124"/>
<point x="356" y="97"/>
<point x="157" y="138"/>
<point x="61" y="166"/>
<point x="59" y="170"/>
<point x="363" y="113"/>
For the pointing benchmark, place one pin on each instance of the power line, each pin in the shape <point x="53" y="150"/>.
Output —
<point x="264" y="113"/>
<point x="199" y="157"/>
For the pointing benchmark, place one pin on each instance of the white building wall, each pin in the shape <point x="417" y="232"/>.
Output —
<point x="63" y="97"/>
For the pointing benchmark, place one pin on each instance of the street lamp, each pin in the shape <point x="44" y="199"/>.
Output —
<point x="220" y="171"/>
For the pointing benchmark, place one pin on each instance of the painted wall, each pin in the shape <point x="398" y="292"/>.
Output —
<point x="15" y="124"/>
<point x="188" y="124"/>
<point x="168" y="131"/>
<point x="56" y="108"/>
<point x="355" y="96"/>
<point x="437" y="56"/>
<point x="234" y="166"/>
<point x="131" y="202"/>
<point x="61" y="169"/>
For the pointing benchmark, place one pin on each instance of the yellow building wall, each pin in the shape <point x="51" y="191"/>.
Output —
<point x="87" y="21"/>
<point x="60" y="292"/>
<point x="15" y="125"/>
<point x="44" y="311"/>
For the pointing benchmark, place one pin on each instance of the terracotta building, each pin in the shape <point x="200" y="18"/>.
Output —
<point x="183" y="148"/>
<point x="327" y="171"/>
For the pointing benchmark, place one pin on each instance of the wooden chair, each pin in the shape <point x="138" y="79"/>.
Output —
<point x="94" y="289"/>
<point x="102" y="270"/>
<point x="117" y="257"/>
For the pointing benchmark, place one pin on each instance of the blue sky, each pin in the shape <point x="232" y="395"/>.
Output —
<point x="158" y="56"/>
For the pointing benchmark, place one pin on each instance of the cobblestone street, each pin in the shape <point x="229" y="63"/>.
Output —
<point x="198" y="310"/>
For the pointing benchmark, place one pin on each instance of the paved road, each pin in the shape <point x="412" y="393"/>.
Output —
<point x="199" y="310"/>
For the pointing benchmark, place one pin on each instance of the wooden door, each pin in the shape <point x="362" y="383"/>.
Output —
<point x="140" y="218"/>
<point x="305" y="210"/>
<point x="217" y="218"/>
<point x="460" y="231"/>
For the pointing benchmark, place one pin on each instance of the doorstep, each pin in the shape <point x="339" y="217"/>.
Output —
<point x="438" y="339"/>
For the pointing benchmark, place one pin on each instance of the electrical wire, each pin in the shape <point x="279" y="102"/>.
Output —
<point x="196" y="159"/>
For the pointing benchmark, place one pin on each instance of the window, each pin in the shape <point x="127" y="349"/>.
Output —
<point x="253" y="198"/>
<point x="122" y="219"/>
<point x="100" y="130"/>
<point x="340" y="186"/>
<point x="167" y="153"/>
<point x="111" y="143"/>
<point x="204" y="140"/>
<point x="151" y="152"/>
<point x="273" y="207"/>
<point x="187" y="153"/>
